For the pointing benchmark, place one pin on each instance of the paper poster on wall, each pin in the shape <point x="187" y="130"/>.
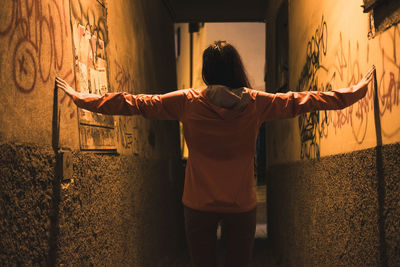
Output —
<point x="89" y="41"/>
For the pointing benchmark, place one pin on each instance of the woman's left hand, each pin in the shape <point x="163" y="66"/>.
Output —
<point x="367" y="78"/>
<point x="63" y="85"/>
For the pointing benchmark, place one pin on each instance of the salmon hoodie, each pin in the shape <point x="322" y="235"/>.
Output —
<point x="220" y="126"/>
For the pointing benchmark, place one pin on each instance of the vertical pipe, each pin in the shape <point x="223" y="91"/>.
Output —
<point x="191" y="59"/>
<point x="381" y="178"/>
<point x="54" y="230"/>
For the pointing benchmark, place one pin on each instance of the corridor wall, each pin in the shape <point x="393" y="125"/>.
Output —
<point x="333" y="176"/>
<point x="119" y="201"/>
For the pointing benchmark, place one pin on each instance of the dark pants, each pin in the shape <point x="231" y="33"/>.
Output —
<point x="239" y="230"/>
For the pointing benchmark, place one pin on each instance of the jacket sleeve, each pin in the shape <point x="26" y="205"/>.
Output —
<point x="291" y="104"/>
<point x="168" y="106"/>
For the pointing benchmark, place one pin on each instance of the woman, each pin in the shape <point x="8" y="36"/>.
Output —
<point x="220" y="124"/>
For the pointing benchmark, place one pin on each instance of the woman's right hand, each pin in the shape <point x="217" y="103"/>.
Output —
<point x="63" y="85"/>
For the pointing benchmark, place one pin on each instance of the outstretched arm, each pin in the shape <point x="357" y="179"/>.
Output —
<point x="169" y="106"/>
<point x="291" y="104"/>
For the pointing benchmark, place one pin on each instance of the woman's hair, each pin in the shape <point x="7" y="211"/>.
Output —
<point x="222" y="65"/>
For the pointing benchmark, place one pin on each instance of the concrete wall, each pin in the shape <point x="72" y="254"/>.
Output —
<point x="341" y="210"/>
<point x="334" y="176"/>
<point x="109" y="211"/>
<point x="183" y="60"/>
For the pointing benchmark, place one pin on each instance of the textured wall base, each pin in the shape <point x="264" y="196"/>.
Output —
<point x="117" y="211"/>
<point x="341" y="210"/>
<point x="26" y="200"/>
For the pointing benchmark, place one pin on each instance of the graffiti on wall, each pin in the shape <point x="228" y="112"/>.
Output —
<point x="314" y="125"/>
<point x="127" y="127"/>
<point x="128" y="132"/>
<point x="34" y="30"/>
<point x="388" y="84"/>
<point x="347" y="72"/>
<point x="125" y="133"/>
<point x="123" y="80"/>
<point x="35" y="33"/>
<point x="347" y="68"/>
<point x="344" y="72"/>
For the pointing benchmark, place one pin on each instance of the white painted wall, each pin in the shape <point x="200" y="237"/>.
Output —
<point x="247" y="38"/>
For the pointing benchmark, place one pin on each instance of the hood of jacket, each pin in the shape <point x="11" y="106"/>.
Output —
<point x="231" y="99"/>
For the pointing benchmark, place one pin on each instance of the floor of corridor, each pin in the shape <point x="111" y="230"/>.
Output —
<point x="262" y="255"/>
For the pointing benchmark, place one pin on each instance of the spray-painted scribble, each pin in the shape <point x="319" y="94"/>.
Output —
<point x="348" y="69"/>
<point x="389" y="97"/>
<point x="123" y="79"/>
<point x="35" y="33"/>
<point x="128" y="131"/>
<point x="345" y="72"/>
<point x="389" y="92"/>
<point x="125" y="133"/>
<point x="313" y="126"/>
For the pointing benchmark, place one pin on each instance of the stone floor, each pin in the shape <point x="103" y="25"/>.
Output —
<point x="262" y="256"/>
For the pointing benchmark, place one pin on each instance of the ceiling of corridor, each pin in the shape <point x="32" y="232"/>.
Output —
<point x="216" y="10"/>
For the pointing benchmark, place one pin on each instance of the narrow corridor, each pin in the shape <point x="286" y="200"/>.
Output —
<point x="97" y="188"/>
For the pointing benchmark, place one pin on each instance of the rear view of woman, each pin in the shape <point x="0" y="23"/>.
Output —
<point x="220" y="124"/>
